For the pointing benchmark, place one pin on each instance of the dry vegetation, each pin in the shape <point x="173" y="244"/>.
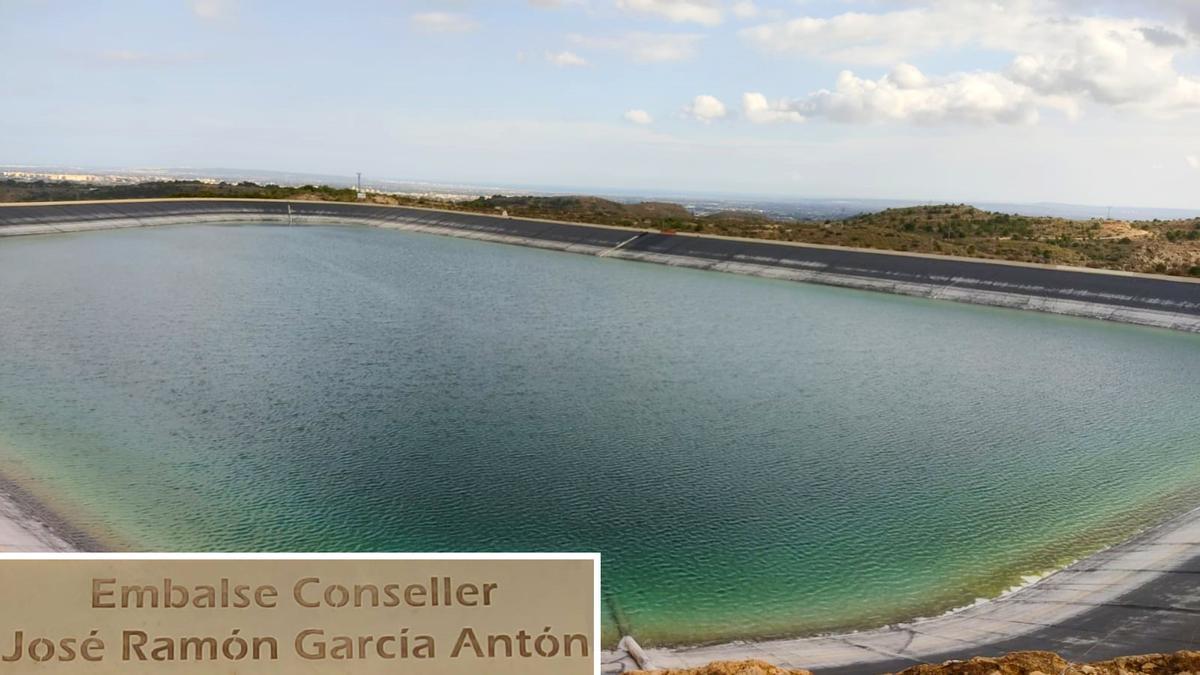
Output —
<point x="1161" y="247"/>
<point x="1047" y="663"/>
<point x="731" y="668"/>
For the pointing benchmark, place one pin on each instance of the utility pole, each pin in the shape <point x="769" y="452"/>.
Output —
<point x="361" y="195"/>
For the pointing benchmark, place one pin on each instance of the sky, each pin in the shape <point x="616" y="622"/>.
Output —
<point x="1080" y="101"/>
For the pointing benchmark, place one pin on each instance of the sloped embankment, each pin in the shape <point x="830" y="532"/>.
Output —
<point x="1017" y="663"/>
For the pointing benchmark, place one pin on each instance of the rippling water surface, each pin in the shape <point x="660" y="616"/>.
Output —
<point x="751" y="457"/>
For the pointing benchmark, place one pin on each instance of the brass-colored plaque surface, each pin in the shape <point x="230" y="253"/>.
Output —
<point x="427" y="616"/>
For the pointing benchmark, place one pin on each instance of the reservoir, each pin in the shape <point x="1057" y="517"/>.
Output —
<point x="751" y="457"/>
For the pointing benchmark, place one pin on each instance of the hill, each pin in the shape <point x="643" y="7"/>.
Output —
<point x="1158" y="246"/>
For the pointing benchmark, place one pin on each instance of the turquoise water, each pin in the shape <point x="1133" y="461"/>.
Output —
<point x="752" y="457"/>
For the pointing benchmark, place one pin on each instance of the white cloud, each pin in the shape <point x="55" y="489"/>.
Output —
<point x="211" y="9"/>
<point x="1184" y="97"/>
<point x="638" y="117"/>
<point x="443" y="22"/>
<point x="706" y="12"/>
<point x="907" y="95"/>
<point x="1193" y="161"/>
<point x="644" y="47"/>
<point x="759" y="110"/>
<point x="566" y="59"/>
<point x="746" y="9"/>
<point x="1187" y="11"/>
<point x="706" y="108"/>
<point x="1190" y="10"/>
<point x="1059" y="60"/>
<point x="856" y="37"/>
<point x="1109" y="62"/>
